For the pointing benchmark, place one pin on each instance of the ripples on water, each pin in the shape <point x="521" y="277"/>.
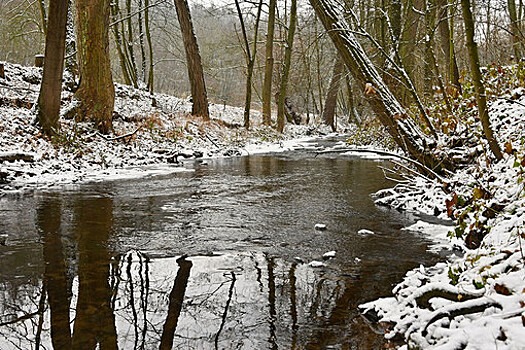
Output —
<point x="101" y="263"/>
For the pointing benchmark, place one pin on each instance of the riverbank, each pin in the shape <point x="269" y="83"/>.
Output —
<point x="153" y="133"/>
<point x="475" y="300"/>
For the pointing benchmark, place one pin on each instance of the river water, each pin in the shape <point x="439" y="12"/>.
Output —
<point x="215" y="257"/>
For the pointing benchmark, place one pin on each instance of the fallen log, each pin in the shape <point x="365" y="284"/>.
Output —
<point x="14" y="156"/>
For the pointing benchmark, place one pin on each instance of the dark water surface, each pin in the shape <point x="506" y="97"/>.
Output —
<point x="101" y="263"/>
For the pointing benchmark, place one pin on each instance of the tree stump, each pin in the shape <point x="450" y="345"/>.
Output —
<point x="39" y="61"/>
<point x="2" y="71"/>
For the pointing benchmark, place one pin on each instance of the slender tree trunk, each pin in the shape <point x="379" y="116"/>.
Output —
<point x="286" y="66"/>
<point x="353" y="115"/>
<point x="43" y="16"/>
<point x="250" y="55"/>
<point x="193" y="61"/>
<point x="430" y="23"/>
<point x="447" y="44"/>
<point x="403" y="130"/>
<point x="481" y="96"/>
<point x="517" y="43"/>
<point x="141" y="44"/>
<point x="129" y="45"/>
<point x="119" y="44"/>
<point x="51" y="87"/>
<point x="96" y="91"/>
<point x="333" y="90"/>
<point x="151" y="72"/>
<point x="268" y="68"/>
<point x="407" y="44"/>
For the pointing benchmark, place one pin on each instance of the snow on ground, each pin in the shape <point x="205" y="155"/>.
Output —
<point x="475" y="300"/>
<point x="152" y="134"/>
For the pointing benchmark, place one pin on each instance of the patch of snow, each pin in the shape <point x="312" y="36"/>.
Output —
<point x="329" y="255"/>
<point x="316" y="264"/>
<point x="320" y="227"/>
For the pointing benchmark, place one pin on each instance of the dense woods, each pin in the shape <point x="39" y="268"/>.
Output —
<point x="418" y="47"/>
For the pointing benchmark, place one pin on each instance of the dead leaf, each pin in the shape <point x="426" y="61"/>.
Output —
<point x="501" y="289"/>
<point x="450" y="203"/>
<point x="508" y="147"/>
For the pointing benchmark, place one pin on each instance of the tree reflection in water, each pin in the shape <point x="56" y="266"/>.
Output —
<point x="94" y="321"/>
<point x="94" y="298"/>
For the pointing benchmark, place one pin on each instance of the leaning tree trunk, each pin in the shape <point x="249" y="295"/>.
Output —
<point x="51" y="87"/>
<point x="479" y="88"/>
<point x="193" y="60"/>
<point x="96" y="91"/>
<point x="407" y="135"/>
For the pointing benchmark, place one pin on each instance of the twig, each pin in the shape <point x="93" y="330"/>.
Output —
<point x="386" y="153"/>
<point x="121" y="136"/>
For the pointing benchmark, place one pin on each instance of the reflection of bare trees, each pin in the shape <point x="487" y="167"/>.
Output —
<point x="225" y="313"/>
<point x="94" y="321"/>
<point x="175" y="303"/>
<point x="49" y="217"/>
<point x="271" y="302"/>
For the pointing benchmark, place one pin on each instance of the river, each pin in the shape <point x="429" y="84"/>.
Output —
<point x="215" y="257"/>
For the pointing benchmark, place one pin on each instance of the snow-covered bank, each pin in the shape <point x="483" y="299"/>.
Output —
<point x="152" y="134"/>
<point x="476" y="300"/>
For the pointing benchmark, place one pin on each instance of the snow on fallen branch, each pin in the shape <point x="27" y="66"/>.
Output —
<point x="388" y="154"/>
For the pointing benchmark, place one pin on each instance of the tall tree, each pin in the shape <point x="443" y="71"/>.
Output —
<point x="48" y="109"/>
<point x="331" y="96"/>
<point x="479" y="87"/>
<point x="447" y="44"/>
<point x="392" y="115"/>
<point x="286" y="66"/>
<point x="250" y="54"/>
<point x="193" y="61"/>
<point x="268" y="67"/>
<point x="517" y="35"/>
<point x="96" y="92"/>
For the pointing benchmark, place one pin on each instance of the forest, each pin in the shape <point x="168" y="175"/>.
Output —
<point x="111" y="92"/>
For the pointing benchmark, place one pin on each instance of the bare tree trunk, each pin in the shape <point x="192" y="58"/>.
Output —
<point x="447" y="44"/>
<point x="430" y="23"/>
<point x="48" y="109"/>
<point x="481" y="96"/>
<point x="251" y="55"/>
<point x="119" y="44"/>
<point x="353" y="114"/>
<point x="403" y="130"/>
<point x="517" y="36"/>
<point x="268" y="68"/>
<point x="151" y="72"/>
<point x="333" y="90"/>
<point x="43" y="16"/>
<point x="96" y="92"/>
<point x="129" y="45"/>
<point x="141" y="42"/>
<point x="286" y="67"/>
<point x="193" y="61"/>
